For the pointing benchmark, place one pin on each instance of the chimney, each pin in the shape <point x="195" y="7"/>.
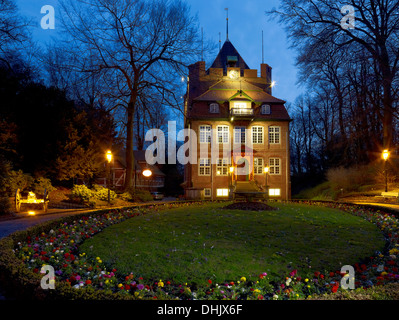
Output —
<point x="196" y="70"/>
<point x="266" y="73"/>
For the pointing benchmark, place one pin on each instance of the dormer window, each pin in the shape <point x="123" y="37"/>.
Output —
<point x="265" y="109"/>
<point x="214" y="108"/>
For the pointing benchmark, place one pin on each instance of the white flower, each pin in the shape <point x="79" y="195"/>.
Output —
<point x="275" y="297"/>
<point x="380" y="268"/>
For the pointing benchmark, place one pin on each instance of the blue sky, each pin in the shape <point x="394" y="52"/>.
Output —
<point x="247" y="19"/>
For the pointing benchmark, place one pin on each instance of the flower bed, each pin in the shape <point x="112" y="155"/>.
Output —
<point x="80" y="277"/>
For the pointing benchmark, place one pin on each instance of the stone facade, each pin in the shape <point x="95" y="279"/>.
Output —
<point x="240" y="129"/>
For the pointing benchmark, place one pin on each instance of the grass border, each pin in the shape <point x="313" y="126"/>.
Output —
<point x="21" y="283"/>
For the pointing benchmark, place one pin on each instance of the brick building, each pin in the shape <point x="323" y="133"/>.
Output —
<point x="240" y="130"/>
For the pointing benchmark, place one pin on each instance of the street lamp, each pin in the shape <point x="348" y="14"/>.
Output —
<point x="385" y="155"/>
<point x="108" y="155"/>
<point x="147" y="173"/>
<point x="266" y="171"/>
<point x="231" y="170"/>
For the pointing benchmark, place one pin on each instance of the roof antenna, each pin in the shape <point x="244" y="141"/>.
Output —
<point x="227" y="24"/>
<point x="263" y="58"/>
<point x="202" y="44"/>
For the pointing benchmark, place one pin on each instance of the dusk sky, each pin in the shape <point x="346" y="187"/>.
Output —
<point x="247" y="19"/>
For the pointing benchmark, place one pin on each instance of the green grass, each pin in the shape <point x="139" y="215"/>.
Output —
<point x="196" y="243"/>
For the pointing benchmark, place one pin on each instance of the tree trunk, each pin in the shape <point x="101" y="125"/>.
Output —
<point x="129" y="143"/>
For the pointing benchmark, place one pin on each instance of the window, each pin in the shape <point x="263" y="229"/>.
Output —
<point x="239" y="135"/>
<point x="240" y="105"/>
<point x="258" y="166"/>
<point x="205" y="134"/>
<point x="223" y="134"/>
<point x="274" y="166"/>
<point x="214" y="108"/>
<point x="222" y="167"/>
<point x="265" y="109"/>
<point x="257" y="135"/>
<point x="207" y="192"/>
<point x="274" y="135"/>
<point x="204" y="167"/>
<point x="222" y="192"/>
<point x="274" y="192"/>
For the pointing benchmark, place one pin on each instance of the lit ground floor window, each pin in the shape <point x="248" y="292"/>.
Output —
<point x="274" y="192"/>
<point x="222" y="192"/>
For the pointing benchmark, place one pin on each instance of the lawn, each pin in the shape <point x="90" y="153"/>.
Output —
<point x="208" y="242"/>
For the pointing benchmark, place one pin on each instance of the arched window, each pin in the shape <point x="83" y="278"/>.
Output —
<point x="214" y="108"/>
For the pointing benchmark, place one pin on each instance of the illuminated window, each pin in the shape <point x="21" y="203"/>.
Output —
<point x="207" y="192"/>
<point x="214" y="108"/>
<point x="222" y="167"/>
<point x="205" y="134"/>
<point x="274" y="135"/>
<point x="265" y="109"/>
<point x="258" y="166"/>
<point x="204" y="167"/>
<point x="257" y="135"/>
<point x="274" y="166"/>
<point x="223" y="134"/>
<point x="222" y="192"/>
<point x="274" y="192"/>
<point x="239" y="135"/>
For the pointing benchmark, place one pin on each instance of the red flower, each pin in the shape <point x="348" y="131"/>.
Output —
<point x="334" y="289"/>
<point x="210" y="281"/>
<point x="332" y="274"/>
<point x="88" y="281"/>
<point x="317" y="274"/>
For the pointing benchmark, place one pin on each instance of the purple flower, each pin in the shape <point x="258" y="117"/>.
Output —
<point x="140" y="287"/>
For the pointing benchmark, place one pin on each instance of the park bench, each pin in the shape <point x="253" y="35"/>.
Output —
<point x="31" y="200"/>
<point x="390" y="194"/>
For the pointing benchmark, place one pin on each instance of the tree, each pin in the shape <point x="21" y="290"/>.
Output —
<point x="134" y="45"/>
<point x="376" y="30"/>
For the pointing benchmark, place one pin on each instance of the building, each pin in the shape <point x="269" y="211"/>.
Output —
<point x="240" y="129"/>
<point x="153" y="183"/>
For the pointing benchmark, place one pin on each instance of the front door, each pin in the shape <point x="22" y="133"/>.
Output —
<point x="243" y="169"/>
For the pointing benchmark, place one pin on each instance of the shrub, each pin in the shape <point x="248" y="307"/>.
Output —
<point x="5" y="205"/>
<point x="81" y="193"/>
<point x="41" y="184"/>
<point x="17" y="180"/>
<point x="126" y="196"/>
<point x="351" y="179"/>
<point x="101" y="193"/>
<point x="139" y="195"/>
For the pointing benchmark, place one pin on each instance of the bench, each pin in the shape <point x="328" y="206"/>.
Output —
<point x="390" y="194"/>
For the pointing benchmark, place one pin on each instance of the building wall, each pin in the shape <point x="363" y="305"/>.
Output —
<point x="265" y="150"/>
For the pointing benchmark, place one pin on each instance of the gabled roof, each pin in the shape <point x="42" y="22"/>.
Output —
<point x="226" y="53"/>
<point x="225" y="90"/>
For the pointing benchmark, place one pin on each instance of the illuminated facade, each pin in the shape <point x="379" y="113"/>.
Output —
<point x="241" y="129"/>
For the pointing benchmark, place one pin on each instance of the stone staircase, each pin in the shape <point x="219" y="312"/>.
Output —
<point x="248" y="191"/>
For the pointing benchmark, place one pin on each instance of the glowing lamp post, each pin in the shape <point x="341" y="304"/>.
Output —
<point x="385" y="156"/>
<point x="147" y="173"/>
<point x="231" y="171"/>
<point x="109" y="159"/>
<point x="266" y="171"/>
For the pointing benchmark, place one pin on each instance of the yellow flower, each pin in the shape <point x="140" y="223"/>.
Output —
<point x="160" y="283"/>
<point x="306" y="280"/>
<point x="120" y="285"/>
<point x="243" y="279"/>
